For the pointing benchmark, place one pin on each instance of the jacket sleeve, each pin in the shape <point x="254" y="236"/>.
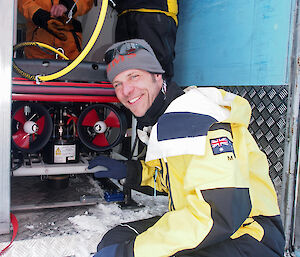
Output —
<point x="211" y="201"/>
<point x="28" y="7"/>
<point x="139" y="174"/>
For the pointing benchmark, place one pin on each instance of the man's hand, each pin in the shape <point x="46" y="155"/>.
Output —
<point x="116" y="250"/>
<point x="108" y="251"/>
<point x="58" y="10"/>
<point x="115" y="169"/>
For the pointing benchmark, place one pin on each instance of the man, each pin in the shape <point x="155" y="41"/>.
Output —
<point x="221" y="199"/>
<point x="48" y="22"/>
<point x="154" y="21"/>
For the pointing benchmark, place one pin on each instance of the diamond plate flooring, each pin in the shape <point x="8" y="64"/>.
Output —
<point x="49" y="221"/>
<point x="68" y="231"/>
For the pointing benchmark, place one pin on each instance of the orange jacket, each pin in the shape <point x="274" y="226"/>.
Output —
<point x="37" y="34"/>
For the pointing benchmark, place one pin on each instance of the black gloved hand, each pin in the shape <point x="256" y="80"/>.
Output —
<point x="55" y="27"/>
<point x="119" y="249"/>
<point x="115" y="169"/>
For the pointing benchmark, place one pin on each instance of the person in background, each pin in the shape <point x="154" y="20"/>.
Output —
<point x="222" y="201"/>
<point x="155" y="22"/>
<point x="54" y="23"/>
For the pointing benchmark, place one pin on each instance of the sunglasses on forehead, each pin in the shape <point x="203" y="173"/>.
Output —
<point x="123" y="49"/>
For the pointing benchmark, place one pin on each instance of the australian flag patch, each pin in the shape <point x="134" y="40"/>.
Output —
<point x="221" y="145"/>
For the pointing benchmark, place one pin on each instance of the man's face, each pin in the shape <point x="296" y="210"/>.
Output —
<point x="137" y="89"/>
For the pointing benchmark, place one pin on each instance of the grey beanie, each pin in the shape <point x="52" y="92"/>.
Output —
<point x="141" y="59"/>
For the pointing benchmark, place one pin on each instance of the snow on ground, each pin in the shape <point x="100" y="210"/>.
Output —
<point x="88" y="228"/>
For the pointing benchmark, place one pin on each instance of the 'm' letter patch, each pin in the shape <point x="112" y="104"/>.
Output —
<point x="221" y="145"/>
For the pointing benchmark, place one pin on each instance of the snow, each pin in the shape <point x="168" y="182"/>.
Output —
<point x="106" y="216"/>
<point x="80" y="234"/>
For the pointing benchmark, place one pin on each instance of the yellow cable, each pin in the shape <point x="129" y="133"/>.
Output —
<point x="24" y="44"/>
<point x="41" y="45"/>
<point x="85" y="51"/>
<point x="53" y="49"/>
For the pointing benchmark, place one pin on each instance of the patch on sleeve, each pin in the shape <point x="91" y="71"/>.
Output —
<point x="221" y="145"/>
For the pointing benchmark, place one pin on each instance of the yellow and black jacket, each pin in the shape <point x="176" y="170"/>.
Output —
<point x="202" y="155"/>
<point x="168" y="7"/>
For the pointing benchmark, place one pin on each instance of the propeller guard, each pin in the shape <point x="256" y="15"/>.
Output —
<point x="31" y="127"/>
<point x="101" y="127"/>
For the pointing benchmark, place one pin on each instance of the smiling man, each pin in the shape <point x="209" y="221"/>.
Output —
<point x="137" y="89"/>
<point x="221" y="199"/>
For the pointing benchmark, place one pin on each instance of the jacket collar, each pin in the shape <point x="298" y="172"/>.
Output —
<point x="159" y="105"/>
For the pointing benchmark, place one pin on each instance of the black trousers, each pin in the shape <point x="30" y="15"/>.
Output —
<point x="158" y="29"/>
<point x="244" y="246"/>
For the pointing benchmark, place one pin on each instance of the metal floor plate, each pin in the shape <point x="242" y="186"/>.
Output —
<point x="68" y="231"/>
<point x="46" y="222"/>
